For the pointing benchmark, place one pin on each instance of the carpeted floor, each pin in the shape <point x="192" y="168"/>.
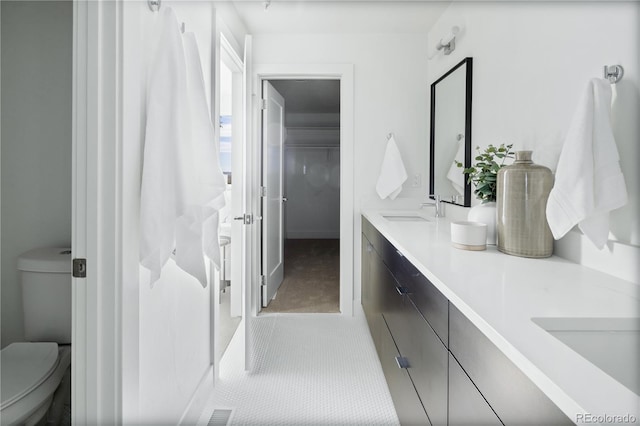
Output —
<point x="311" y="278"/>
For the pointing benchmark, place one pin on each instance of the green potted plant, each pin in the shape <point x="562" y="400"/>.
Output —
<point x="484" y="176"/>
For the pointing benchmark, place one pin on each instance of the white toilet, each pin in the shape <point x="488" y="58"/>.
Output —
<point x="33" y="370"/>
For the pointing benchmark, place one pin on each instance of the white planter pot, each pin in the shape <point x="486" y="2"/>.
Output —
<point x="485" y="213"/>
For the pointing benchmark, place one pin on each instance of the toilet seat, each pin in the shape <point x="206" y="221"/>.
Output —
<point x="31" y="373"/>
<point x="24" y="367"/>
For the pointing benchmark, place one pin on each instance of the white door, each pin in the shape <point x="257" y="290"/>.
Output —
<point x="273" y="199"/>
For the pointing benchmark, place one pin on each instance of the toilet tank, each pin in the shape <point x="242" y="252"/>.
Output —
<point x="45" y="276"/>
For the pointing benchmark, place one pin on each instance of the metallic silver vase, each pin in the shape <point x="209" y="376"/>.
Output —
<point x="522" y="193"/>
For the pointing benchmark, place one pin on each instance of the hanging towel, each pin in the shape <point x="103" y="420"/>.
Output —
<point x="588" y="182"/>
<point x="182" y="184"/>
<point x="165" y="189"/>
<point x="392" y="173"/>
<point x="455" y="174"/>
<point x="203" y="219"/>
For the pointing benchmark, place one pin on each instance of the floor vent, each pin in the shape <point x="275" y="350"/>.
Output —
<point x="220" y="418"/>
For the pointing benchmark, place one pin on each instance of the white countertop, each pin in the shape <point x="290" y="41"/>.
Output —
<point x="501" y="293"/>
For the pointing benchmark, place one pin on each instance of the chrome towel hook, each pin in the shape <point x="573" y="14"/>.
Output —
<point x="613" y="73"/>
<point x="154" y="5"/>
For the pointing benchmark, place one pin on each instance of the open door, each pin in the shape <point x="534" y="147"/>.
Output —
<point x="272" y="192"/>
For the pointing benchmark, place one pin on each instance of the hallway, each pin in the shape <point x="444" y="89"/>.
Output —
<point x="319" y="369"/>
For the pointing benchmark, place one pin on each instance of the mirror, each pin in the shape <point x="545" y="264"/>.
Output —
<point x="451" y="134"/>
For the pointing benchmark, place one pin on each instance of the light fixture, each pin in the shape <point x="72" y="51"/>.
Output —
<point x="266" y="4"/>
<point x="448" y="42"/>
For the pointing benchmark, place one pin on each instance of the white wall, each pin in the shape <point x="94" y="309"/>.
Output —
<point x="312" y="187"/>
<point x="166" y="328"/>
<point x="36" y="140"/>
<point x="532" y="62"/>
<point x="391" y="94"/>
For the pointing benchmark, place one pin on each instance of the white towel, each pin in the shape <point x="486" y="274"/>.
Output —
<point x="161" y="200"/>
<point x="198" y="227"/>
<point x="455" y="174"/>
<point x="392" y="173"/>
<point x="589" y="182"/>
<point x="180" y="183"/>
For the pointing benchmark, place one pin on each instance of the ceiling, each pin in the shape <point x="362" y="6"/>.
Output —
<point x="331" y="17"/>
<point x="339" y="16"/>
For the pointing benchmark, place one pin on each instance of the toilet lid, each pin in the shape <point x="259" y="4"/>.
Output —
<point x="24" y="366"/>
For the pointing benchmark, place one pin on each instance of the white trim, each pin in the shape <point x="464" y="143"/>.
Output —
<point x="343" y="72"/>
<point x="198" y="401"/>
<point x="229" y="55"/>
<point x="96" y="224"/>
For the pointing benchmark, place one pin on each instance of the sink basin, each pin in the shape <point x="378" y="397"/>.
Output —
<point x="611" y="344"/>
<point x="406" y="218"/>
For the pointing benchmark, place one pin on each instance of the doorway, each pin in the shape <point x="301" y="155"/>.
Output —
<point x="230" y="139"/>
<point x="301" y="196"/>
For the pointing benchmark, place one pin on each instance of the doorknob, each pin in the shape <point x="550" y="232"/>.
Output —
<point x="247" y="219"/>
<point x="284" y="199"/>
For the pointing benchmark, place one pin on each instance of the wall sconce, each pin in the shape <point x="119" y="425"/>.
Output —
<point x="448" y="42"/>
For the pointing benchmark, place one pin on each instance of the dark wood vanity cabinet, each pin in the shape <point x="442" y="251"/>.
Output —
<point x="467" y="406"/>
<point x="439" y="367"/>
<point x="512" y="395"/>
<point x="415" y="368"/>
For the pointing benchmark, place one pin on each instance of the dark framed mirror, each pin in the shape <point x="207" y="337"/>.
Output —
<point x="451" y="134"/>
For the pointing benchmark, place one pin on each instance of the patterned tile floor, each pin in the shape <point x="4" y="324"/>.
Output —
<point x="310" y="369"/>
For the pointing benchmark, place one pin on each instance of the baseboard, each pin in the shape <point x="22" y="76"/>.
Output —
<point x="313" y="235"/>
<point x="199" y="399"/>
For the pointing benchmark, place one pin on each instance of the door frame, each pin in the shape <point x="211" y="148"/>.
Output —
<point x="97" y="131"/>
<point x="344" y="73"/>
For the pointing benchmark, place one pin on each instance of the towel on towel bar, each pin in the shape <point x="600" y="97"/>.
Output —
<point x="182" y="184"/>
<point x="455" y="173"/>
<point x="588" y="182"/>
<point x="392" y="173"/>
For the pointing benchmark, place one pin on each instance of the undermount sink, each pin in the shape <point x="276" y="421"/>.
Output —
<point x="611" y="344"/>
<point x="406" y="218"/>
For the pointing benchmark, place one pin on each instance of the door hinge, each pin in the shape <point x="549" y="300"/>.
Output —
<point x="263" y="191"/>
<point x="263" y="104"/>
<point x="263" y="280"/>
<point x="79" y="268"/>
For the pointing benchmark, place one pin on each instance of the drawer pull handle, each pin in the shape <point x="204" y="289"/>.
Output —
<point x="402" y="362"/>
<point x="402" y="291"/>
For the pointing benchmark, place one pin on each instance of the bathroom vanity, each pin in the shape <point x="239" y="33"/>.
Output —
<point x="486" y="338"/>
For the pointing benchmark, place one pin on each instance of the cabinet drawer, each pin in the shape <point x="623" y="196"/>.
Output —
<point x="429" y="301"/>
<point x="466" y="404"/>
<point x="419" y="345"/>
<point x="404" y="396"/>
<point x="515" y="399"/>
<point x="372" y="234"/>
<point x="427" y="358"/>
<point x="432" y="305"/>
